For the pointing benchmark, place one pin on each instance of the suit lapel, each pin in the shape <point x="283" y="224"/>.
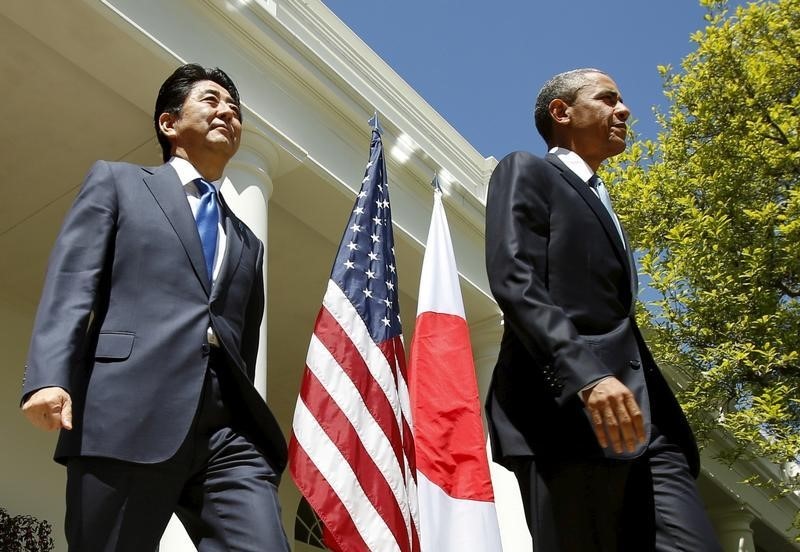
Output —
<point x="634" y="273"/>
<point x="233" y="248"/>
<point x="169" y="194"/>
<point x="597" y="207"/>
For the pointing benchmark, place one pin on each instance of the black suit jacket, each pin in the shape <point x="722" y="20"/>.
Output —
<point x="566" y="285"/>
<point x="123" y="316"/>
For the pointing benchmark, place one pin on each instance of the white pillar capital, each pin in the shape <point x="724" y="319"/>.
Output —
<point x="257" y="157"/>
<point x="733" y="528"/>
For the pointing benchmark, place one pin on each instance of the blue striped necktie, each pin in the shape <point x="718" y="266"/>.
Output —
<point x="597" y="183"/>
<point x="207" y="219"/>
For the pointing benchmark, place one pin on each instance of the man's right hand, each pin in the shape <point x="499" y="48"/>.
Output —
<point x="615" y="415"/>
<point x="49" y="408"/>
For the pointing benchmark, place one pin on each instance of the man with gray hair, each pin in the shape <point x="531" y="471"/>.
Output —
<point x="578" y="408"/>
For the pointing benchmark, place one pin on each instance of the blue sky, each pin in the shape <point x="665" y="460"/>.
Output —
<point x="481" y="64"/>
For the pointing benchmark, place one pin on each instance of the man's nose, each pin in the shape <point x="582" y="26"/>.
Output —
<point x="622" y="111"/>
<point x="225" y="111"/>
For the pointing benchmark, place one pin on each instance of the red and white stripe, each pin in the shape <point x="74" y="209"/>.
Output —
<point x="456" y="502"/>
<point x="351" y="452"/>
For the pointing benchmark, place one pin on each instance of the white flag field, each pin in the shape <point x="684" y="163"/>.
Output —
<point x="456" y="501"/>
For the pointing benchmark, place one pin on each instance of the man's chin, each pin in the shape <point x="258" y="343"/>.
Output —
<point x="223" y="144"/>
<point x="617" y="147"/>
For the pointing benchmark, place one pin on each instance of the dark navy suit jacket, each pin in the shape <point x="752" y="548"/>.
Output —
<point x="124" y="313"/>
<point x="566" y="284"/>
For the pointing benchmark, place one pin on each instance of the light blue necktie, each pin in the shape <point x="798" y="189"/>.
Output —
<point x="207" y="219"/>
<point x="597" y="183"/>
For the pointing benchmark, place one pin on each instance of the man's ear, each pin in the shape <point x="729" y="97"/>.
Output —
<point x="559" y="111"/>
<point x="166" y="123"/>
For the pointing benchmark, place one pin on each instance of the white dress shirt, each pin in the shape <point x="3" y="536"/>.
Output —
<point x="577" y="165"/>
<point x="574" y="163"/>
<point x="187" y="175"/>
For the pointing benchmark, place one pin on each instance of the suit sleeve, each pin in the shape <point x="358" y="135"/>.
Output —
<point x="517" y="236"/>
<point x="251" y="332"/>
<point x="75" y="269"/>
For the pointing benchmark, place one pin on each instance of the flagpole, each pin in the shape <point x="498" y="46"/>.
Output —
<point x="435" y="183"/>
<point x="375" y="123"/>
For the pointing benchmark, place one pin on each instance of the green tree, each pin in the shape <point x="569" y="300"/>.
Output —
<point x="714" y="206"/>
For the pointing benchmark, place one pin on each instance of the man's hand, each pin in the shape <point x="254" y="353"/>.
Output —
<point x="49" y="408"/>
<point x="615" y="415"/>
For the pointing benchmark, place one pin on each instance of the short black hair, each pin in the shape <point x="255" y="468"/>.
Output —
<point x="564" y="86"/>
<point x="178" y="86"/>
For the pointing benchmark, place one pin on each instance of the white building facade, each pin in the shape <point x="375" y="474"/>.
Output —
<point x="80" y="79"/>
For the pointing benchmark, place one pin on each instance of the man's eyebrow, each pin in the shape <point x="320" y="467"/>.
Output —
<point x="218" y="94"/>
<point x="613" y="91"/>
<point x="608" y="92"/>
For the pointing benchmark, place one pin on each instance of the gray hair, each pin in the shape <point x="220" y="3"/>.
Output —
<point x="564" y="86"/>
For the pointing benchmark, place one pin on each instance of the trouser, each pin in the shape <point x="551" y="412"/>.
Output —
<point x="219" y="484"/>
<point x="649" y="504"/>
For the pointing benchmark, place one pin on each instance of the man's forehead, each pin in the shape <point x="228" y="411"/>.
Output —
<point x="601" y="81"/>
<point x="207" y="86"/>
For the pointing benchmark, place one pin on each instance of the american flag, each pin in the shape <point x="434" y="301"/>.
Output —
<point x="351" y="453"/>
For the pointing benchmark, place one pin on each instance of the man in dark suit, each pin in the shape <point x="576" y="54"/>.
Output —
<point x="144" y="345"/>
<point x="577" y="407"/>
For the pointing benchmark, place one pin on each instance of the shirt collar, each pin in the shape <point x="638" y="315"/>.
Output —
<point x="574" y="163"/>
<point x="187" y="174"/>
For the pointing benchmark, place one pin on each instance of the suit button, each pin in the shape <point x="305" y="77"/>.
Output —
<point x="635" y="364"/>
<point x="205" y="348"/>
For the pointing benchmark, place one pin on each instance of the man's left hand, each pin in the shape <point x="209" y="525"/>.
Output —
<point x="615" y="415"/>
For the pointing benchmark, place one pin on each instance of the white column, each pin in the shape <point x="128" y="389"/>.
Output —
<point x="514" y="534"/>
<point x="733" y="528"/>
<point x="247" y="189"/>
